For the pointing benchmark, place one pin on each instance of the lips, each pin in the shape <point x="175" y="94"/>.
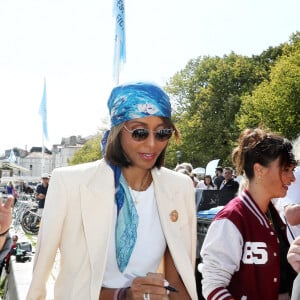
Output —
<point x="148" y="156"/>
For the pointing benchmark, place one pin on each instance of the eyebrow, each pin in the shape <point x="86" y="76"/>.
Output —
<point x="132" y="122"/>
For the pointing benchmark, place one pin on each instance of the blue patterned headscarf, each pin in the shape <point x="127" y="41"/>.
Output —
<point x="128" y="102"/>
<point x="137" y="100"/>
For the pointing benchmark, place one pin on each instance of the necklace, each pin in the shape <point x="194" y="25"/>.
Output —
<point x="136" y="194"/>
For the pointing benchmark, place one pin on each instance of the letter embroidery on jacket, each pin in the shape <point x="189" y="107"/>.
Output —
<point x="255" y="253"/>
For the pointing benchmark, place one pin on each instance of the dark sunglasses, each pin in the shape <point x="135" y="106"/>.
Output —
<point x="140" y="134"/>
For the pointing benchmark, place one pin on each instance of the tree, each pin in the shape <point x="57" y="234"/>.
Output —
<point x="275" y="104"/>
<point x="268" y="57"/>
<point x="90" y="151"/>
<point x="207" y="96"/>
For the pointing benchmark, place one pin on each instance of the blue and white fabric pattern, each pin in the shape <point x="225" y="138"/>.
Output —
<point x="137" y="100"/>
<point x="126" y="226"/>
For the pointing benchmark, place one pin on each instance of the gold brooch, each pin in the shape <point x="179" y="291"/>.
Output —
<point x="174" y="215"/>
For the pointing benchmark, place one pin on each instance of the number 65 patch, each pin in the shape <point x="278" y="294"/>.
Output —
<point x="255" y="253"/>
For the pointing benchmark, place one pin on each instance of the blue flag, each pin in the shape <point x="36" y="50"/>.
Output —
<point x="120" y="39"/>
<point x="43" y="111"/>
<point x="12" y="158"/>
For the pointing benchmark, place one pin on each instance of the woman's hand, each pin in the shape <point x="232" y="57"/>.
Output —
<point x="150" y="287"/>
<point x="5" y="214"/>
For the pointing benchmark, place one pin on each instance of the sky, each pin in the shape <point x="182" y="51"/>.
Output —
<point x="70" y="43"/>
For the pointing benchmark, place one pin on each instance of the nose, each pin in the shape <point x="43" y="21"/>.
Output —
<point x="293" y="178"/>
<point x="150" y="140"/>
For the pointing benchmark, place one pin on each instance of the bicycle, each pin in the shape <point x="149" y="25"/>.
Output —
<point x="25" y="216"/>
<point x="31" y="221"/>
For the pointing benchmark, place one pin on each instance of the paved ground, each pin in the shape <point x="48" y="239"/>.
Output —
<point x="20" y="276"/>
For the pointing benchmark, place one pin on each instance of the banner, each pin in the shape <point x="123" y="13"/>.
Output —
<point x="43" y="111"/>
<point x="211" y="167"/>
<point x="120" y="38"/>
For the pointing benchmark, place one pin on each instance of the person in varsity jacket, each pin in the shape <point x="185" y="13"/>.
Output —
<point x="245" y="248"/>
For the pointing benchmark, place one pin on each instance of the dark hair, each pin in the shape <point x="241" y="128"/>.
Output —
<point x="260" y="146"/>
<point x="211" y="182"/>
<point x="229" y="169"/>
<point x="114" y="152"/>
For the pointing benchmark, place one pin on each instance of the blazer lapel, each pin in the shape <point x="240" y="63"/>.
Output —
<point x="97" y="203"/>
<point x="165" y="196"/>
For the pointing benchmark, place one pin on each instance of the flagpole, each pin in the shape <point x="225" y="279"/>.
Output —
<point x="43" y="158"/>
<point x="120" y="38"/>
<point x="117" y="62"/>
<point x="43" y="113"/>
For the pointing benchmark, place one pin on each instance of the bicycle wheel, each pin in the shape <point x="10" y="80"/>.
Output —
<point x="30" y="222"/>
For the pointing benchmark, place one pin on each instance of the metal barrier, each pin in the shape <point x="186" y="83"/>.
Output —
<point x="18" y="280"/>
<point x="212" y="198"/>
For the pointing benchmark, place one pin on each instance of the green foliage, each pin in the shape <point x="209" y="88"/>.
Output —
<point x="91" y="151"/>
<point x="207" y="96"/>
<point x="276" y="102"/>
<point x="268" y="58"/>
<point x="215" y="98"/>
<point x="3" y="282"/>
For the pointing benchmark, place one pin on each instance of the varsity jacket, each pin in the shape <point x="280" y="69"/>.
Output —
<point x="240" y="254"/>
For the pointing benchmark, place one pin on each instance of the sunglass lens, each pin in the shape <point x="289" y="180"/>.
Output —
<point x="164" y="134"/>
<point x="140" y="134"/>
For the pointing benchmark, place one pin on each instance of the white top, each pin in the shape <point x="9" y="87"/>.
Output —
<point x="201" y="185"/>
<point x="149" y="248"/>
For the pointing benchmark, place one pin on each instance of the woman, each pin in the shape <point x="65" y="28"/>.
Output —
<point x="241" y="256"/>
<point x="115" y="220"/>
<point x="10" y="188"/>
<point x="208" y="183"/>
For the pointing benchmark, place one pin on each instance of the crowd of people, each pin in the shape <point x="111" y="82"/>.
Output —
<point x="223" y="179"/>
<point x="125" y="226"/>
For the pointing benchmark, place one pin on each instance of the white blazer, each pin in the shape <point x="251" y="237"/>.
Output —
<point x="77" y="220"/>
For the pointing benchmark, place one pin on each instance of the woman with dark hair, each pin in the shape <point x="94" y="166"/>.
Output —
<point x="119" y="220"/>
<point x="208" y="183"/>
<point x="245" y="248"/>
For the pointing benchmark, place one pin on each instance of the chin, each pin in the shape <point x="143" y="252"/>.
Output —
<point x="281" y="195"/>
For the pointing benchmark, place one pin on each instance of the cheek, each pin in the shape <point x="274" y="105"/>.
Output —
<point x="127" y="145"/>
<point x="161" y="147"/>
<point x="276" y="180"/>
<point x="286" y="177"/>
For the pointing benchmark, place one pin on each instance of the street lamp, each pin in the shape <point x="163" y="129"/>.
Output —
<point x="178" y="155"/>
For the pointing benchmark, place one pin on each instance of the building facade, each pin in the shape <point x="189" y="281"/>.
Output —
<point x="31" y="164"/>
